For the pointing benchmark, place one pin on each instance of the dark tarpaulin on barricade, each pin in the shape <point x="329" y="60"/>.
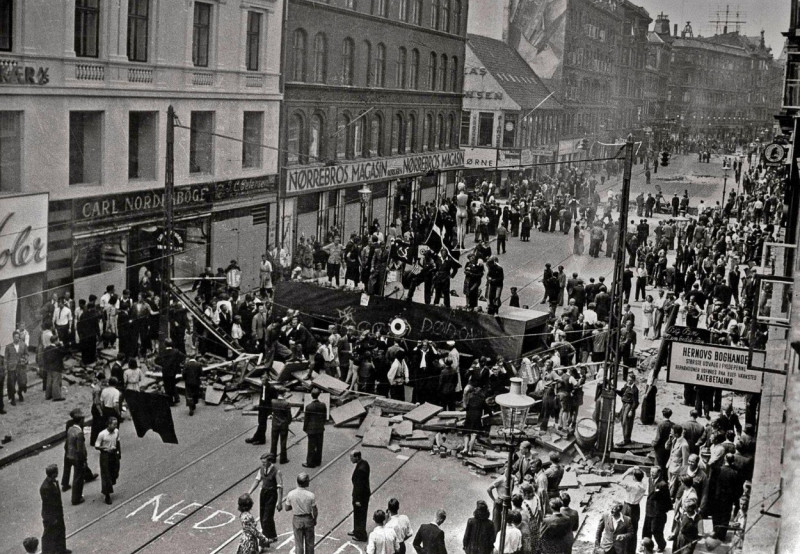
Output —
<point x="151" y="411"/>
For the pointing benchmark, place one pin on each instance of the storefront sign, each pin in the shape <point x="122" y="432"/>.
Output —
<point x="146" y="202"/>
<point x="720" y="367"/>
<point x="569" y="146"/>
<point x="23" y="75"/>
<point x="23" y="235"/>
<point x="309" y="179"/>
<point x="508" y="158"/>
<point x="480" y="158"/>
<point x="483" y="94"/>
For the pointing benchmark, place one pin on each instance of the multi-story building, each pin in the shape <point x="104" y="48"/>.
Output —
<point x="632" y="74"/>
<point x="372" y="109"/>
<point x="656" y="82"/>
<point x="509" y="116"/>
<point x="83" y="113"/>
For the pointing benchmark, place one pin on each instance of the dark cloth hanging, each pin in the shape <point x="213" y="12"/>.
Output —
<point x="151" y="411"/>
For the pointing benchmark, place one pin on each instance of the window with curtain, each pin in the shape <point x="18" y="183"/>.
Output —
<point x="138" y="19"/>
<point x="299" y="55"/>
<point x="87" y="27"/>
<point x="426" y="132"/>
<point x="6" y="25"/>
<point x="411" y="133"/>
<point x="379" y="7"/>
<point x="452" y="142"/>
<point x="465" y="122"/>
<point x="454" y="74"/>
<point x="455" y="23"/>
<point x="413" y="73"/>
<point x="401" y="67"/>
<point x="253" y="50"/>
<point x="403" y="11"/>
<point x="443" y="73"/>
<point x="441" y="137"/>
<point x="432" y="71"/>
<point x="316" y="138"/>
<point x="342" y="134"/>
<point x="397" y="134"/>
<point x="445" y="17"/>
<point x="368" y="79"/>
<point x="358" y="138"/>
<point x="416" y="12"/>
<point x="320" y="58"/>
<point x="376" y="135"/>
<point x="380" y="65"/>
<point x="348" y="55"/>
<point x="294" y="140"/>
<point x="434" y="14"/>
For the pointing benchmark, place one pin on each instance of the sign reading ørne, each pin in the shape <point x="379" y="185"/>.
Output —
<point x="721" y="367"/>
<point x="23" y="235"/>
<point x="310" y="179"/>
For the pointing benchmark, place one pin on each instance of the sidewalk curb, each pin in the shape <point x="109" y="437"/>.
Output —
<point x="36" y="447"/>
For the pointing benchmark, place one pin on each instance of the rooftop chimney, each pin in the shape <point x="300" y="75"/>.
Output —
<point x="675" y="33"/>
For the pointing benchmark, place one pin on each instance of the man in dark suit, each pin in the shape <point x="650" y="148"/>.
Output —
<point x="281" y="418"/>
<point x="430" y="537"/>
<point x="259" y="328"/>
<point x="191" y="379"/>
<point x="16" y="367"/>
<point x="76" y="454"/>
<point x="663" y="432"/>
<point x="656" y="508"/>
<point x="170" y="361"/>
<point x="268" y="393"/>
<point x="314" y="426"/>
<point x="614" y="531"/>
<point x="54" y="536"/>
<point x="361" y="494"/>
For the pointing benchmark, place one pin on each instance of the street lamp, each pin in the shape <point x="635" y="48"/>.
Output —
<point x="725" y="172"/>
<point x="365" y="193"/>
<point x="514" y="408"/>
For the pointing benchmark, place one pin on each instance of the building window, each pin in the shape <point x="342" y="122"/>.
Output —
<point x="411" y="133"/>
<point x="320" y="58"/>
<point x="10" y="151"/>
<point x="397" y="135"/>
<point x="441" y="137"/>
<point x="443" y="73"/>
<point x="358" y="138"/>
<point x="299" y="55"/>
<point x="85" y="148"/>
<point x="380" y="65"/>
<point x="455" y="24"/>
<point x="351" y="4"/>
<point x="201" y="36"/>
<point x="138" y="18"/>
<point x="379" y="7"/>
<point x="87" y="28"/>
<point x="201" y="143"/>
<point x="342" y="134"/>
<point x="252" y="135"/>
<point x="368" y="57"/>
<point x="485" y="128"/>
<point x="6" y="25"/>
<point x="432" y="71"/>
<point x="403" y="12"/>
<point x="401" y="68"/>
<point x="465" y="121"/>
<point x="416" y="12"/>
<point x="454" y="74"/>
<point x="142" y="141"/>
<point x="295" y="139"/>
<point x="509" y="130"/>
<point x="434" y="14"/>
<point x="253" y="40"/>
<point x="348" y="54"/>
<point x="445" y="17"/>
<point x="452" y="139"/>
<point x="413" y="73"/>
<point x="315" y="140"/>
<point x="427" y="138"/>
<point x="376" y="136"/>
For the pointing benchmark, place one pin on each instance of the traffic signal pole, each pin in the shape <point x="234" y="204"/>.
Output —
<point x="605" y="430"/>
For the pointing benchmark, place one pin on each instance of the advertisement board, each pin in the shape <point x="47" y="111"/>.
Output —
<point x="23" y="235"/>
<point x="720" y="367"/>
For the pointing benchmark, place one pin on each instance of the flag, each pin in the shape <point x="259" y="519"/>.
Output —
<point x="436" y="241"/>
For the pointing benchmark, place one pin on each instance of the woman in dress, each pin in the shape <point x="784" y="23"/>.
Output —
<point x="251" y="541"/>
<point x="577" y="240"/>
<point x="271" y="481"/>
<point x="647" y="309"/>
<point x="479" y="534"/>
<point x="352" y="263"/>
<point x="474" y="400"/>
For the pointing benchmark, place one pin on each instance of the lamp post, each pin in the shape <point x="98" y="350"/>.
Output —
<point x="514" y="408"/>
<point x="725" y="172"/>
<point x="365" y="193"/>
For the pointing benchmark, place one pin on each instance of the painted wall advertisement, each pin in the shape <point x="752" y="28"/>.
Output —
<point x="720" y="367"/>
<point x="23" y="235"/>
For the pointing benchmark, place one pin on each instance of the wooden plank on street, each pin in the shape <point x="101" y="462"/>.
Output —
<point x="419" y="435"/>
<point x="484" y="464"/>
<point x="373" y="418"/>
<point x="555" y="442"/>
<point x="377" y="436"/>
<point x="330" y="384"/>
<point x="403" y="430"/>
<point x="423" y="413"/>
<point x="592" y="480"/>
<point x="390" y="406"/>
<point x="629" y="458"/>
<point x="347" y="412"/>
<point x="214" y="396"/>
<point x="568" y="481"/>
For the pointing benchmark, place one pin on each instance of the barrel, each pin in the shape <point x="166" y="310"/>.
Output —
<point x="586" y="433"/>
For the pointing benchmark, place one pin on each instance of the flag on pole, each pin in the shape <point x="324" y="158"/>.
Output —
<point x="436" y="240"/>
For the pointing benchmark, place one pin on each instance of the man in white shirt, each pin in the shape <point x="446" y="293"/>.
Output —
<point x="590" y="315"/>
<point x="382" y="540"/>
<point x="62" y="320"/>
<point x="634" y="492"/>
<point x="106" y="443"/>
<point x="400" y="524"/>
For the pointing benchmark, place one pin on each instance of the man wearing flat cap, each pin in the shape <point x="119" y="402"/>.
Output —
<point x="76" y="454"/>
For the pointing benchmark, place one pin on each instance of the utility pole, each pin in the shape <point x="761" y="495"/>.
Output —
<point x="166" y="259"/>
<point x="605" y="430"/>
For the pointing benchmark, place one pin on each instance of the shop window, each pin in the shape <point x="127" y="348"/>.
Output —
<point x="85" y="147"/>
<point x="87" y="28"/>
<point x="201" y="34"/>
<point x="100" y="254"/>
<point x="138" y="20"/>
<point x="142" y="141"/>
<point x="485" y="128"/>
<point x="6" y="25"/>
<point x="201" y="143"/>
<point x="252" y="135"/>
<point x="253" y="49"/>
<point x="413" y="73"/>
<point x="307" y="203"/>
<point x="465" y="122"/>
<point x="10" y="151"/>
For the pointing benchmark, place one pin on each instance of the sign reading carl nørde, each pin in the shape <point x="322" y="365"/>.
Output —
<point x="721" y="367"/>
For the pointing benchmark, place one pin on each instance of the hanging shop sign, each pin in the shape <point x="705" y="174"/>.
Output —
<point x="23" y="235"/>
<point x="719" y="367"/>
<point x="143" y="203"/>
<point x="313" y="179"/>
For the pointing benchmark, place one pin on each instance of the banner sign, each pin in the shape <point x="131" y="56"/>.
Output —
<point x="314" y="179"/>
<point x="501" y="336"/>
<point x="720" y="367"/>
<point x="480" y="158"/>
<point x="23" y="235"/>
<point x="508" y="158"/>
